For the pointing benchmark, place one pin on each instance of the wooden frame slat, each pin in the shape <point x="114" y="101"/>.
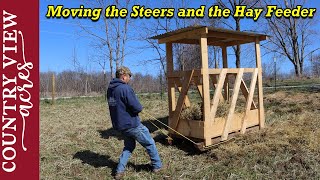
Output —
<point x="249" y="100"/>
<point x="197" y="81"/>
<point x="230" y="70"/>
<point x="237" y="42"/>
<point x="199" y="87"/>
<point x="186" y="101"/>
<point x="178" y="74"/>
<point x="216" y="129"/>
<point x="215" y="84"/>
<point x="181" y="99"/>
<point x="230" y="36"/>
<point x="173" y="98"/>
<point x="245" y="92"/>
<point x="233" y="105"/>
<point x="217" y="93"/>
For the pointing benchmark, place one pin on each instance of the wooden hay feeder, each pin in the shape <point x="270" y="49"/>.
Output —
<point x="212" y="129"/>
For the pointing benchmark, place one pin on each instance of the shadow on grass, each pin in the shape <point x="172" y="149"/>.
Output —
<point x="106" y="134"/>
<point x="153" y="127"/>
<point x="96" y="160"/>
<point x="140" y="167"/>
<point x="179" y="143"/>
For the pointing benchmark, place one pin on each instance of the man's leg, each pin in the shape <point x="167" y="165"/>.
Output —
<point x="143" y="136"/>
<point x="129" y="145"/>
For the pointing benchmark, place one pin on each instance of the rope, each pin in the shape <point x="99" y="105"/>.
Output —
<point x="169" y="138"/>
<point x="150" y="116"/>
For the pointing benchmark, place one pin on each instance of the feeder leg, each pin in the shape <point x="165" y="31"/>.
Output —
<point x="207" y="142"/>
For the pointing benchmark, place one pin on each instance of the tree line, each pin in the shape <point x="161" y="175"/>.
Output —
<point x="73" y="83"/>
<point x="76" y="83"/>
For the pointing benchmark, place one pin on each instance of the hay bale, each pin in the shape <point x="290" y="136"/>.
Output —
<point x="222" y="109"/>
<point x="194" y="112"/>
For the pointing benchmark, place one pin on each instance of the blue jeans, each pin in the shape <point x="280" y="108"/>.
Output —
<point x="142" y="135"/>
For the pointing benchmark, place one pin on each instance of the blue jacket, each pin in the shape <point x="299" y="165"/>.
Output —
<point x="124" y="105"/>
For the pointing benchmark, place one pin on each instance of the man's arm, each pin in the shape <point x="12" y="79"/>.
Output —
<point x="132" y="101"/>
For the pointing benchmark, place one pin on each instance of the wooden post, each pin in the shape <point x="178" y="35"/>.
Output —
<point x="53" y="88"/>
<point x="225" y="65"/>
<point x="171" y="89"/>
<point x="205" y="89"/>
<point x="260" y="90"/>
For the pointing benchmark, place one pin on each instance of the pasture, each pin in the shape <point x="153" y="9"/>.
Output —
<point x="77" y="142"/>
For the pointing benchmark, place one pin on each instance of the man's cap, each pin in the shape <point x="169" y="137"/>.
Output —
<point x="123" y="70"/>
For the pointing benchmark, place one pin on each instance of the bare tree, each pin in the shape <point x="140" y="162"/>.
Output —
<point x="81" y="70"/>
<point x="45" y="83"/>
<point x="152" y="27"/>
<point x="189" y="57"/>
<point x="235" y="22"/>
<point x="291" y="36"/>
<point x="315" y="65"/>
<point x="109" y="35"/>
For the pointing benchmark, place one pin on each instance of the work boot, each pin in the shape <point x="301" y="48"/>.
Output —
<point x="119" y="175"/>
<point x="156" y="171"/>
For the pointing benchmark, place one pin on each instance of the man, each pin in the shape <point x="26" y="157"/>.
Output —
<point x="124" y="109"/>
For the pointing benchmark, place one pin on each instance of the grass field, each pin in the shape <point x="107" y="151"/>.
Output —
<point x="292" y="82"/>
<point x="77" y="142"/>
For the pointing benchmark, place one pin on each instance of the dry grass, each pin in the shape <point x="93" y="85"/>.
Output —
<point x="77" y="142"/>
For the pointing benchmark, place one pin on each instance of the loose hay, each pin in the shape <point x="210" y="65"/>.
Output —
<point x="194" y="112"/>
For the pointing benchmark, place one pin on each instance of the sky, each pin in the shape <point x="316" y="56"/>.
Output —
<point x="59" y="38"/>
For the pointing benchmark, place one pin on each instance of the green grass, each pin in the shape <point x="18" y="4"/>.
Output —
<point x="77" y="142"/>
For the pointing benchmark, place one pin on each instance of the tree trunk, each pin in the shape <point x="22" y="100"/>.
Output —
<point x="238" y="56"/>
<point x="301" y="69"/>
<point x="105" y="84"/>
<point x="86" y="86"/>
<point x="298" y="70"/>
<point x="238" y="51"/>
